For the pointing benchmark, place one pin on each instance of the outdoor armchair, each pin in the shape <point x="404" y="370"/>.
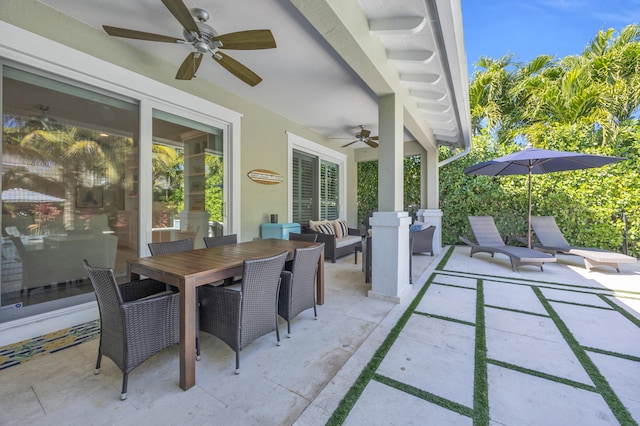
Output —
<point x="312" y="238"/>
<point x="223" y="240"/>
<point x="240" y="314"/>
<point x="298" y="287"/>
<point x="423" y="240"/>
<point x="137" y="320"/>
<point x="176" y="247"/>
<point x="220" y="240"/>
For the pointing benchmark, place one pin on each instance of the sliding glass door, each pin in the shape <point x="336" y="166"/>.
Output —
<point x="187" y="179"/>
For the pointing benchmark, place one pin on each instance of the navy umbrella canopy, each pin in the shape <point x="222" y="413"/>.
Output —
<point x="538" y="161"/>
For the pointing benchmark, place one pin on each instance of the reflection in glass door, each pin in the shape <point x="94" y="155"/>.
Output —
<point x="187" y="167"/>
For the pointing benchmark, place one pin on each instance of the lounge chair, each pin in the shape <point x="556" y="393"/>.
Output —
<point x="489" y="240"/>
<point x="552" y="241"/>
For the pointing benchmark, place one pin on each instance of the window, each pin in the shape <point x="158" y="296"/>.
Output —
<point x="305" y="194"/>
<point x="69" y="188"/>
<point x="329" y="191"/>
<point x="317" y="182"/>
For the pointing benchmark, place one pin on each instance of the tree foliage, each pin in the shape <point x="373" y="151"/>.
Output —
<point x="583" y="103"/>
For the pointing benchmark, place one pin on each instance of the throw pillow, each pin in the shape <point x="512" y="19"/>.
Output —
<point x="422" y="225"/>
<point x="313" y="224"/>
<point x="340" y="227"/>
<point x="416" y="227"/>
<point x="326" y="228"/>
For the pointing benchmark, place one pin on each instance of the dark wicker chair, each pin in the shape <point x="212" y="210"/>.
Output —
<point x="175" y="247"/>
<point x="137" y="320"/>
<point x="303" y="237"/>
<point x="423" y="240"/>
<point x="221" y="240"/>
<point x="239" y="316"/>
<point x="171" y="246"/>
<point x="298" y="286"/>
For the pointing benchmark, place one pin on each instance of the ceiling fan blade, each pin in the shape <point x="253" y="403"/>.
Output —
<point x="371" y="143"/>
<point x="247" y="40"/>
<point x="237" y="69"/>
<point x="344" y="146"/>
<point x="375" y="138"/>
<point x="365" y="133"/>
<point x="139" y="35"/>
<point x="189" y="66"/>
<point x="182" y="14"/>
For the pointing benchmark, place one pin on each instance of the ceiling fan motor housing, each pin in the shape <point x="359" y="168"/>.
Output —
<point x="205" y="43"/>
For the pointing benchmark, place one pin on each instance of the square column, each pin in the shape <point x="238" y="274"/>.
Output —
<point x="433" y="217"/>
<point x="390" y="255"/>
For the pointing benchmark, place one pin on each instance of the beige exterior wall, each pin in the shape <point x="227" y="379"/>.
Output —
<point x="263" y="133"/>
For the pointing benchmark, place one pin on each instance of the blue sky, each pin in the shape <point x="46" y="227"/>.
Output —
<point x="530" y="28"/>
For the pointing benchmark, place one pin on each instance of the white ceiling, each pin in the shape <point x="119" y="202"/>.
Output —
<point x="304" y="79"/>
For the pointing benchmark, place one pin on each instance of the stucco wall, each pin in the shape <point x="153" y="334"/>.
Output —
<point x="264" y="140"/>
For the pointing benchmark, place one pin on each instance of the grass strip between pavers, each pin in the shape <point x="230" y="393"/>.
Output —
<point x="517" y="311"/>
<point x="582" y="305"/>
<point x="427" y="396"/>
<point x="542" y="375"/>
<point x="346" y="404"/>
<point x="481" y="380"/>
<point x="620" y="310"/>
<point x="543" y="284"/>
<point x="602" y="386"/>
<point x="611" y="353"/>
<point x="441" y="317"/>
<point x="445" y="259"/>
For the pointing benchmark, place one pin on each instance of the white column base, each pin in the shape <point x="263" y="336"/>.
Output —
<point x="433" y="217"/>
<point x="390" y="256"/>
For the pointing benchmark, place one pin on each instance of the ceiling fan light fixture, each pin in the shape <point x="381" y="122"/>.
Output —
<point x="201" y="46"/>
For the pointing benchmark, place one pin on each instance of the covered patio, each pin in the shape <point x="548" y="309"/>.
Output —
<point x="473" y="342"/>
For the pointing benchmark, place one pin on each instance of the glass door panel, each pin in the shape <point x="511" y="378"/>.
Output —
<point x="187" y="168"/>
<point x="69" y="185"/>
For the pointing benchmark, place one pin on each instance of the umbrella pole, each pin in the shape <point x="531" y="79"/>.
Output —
<point x="529" y="216"/>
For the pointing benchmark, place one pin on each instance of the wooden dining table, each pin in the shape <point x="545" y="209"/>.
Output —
<point x="190" y="269"/>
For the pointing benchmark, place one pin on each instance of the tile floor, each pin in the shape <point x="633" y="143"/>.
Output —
<point x="475" y="343"/>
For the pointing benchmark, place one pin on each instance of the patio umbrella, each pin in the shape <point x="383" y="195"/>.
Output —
<point x="538" y="161"/>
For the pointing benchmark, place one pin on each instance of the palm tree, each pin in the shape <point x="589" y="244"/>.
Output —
<point x="73" y="157"/>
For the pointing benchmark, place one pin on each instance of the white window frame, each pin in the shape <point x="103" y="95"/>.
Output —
<point x="298" y="143"/>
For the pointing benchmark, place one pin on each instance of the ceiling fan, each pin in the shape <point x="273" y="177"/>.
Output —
<point x="204" y="39"/>
<point x="364" y="136"/>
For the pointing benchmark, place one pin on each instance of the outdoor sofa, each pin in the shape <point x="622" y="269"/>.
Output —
<point x="339" y="240"/>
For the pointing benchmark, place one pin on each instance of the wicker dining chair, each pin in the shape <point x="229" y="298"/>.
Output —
<point x="303" y="237"/>
<point x="240" y="314"/>
<point x="221" y="241"/>
<point x="167" y="247"/>
<point x="137" y="320"/>
<point x="170" y="246"/>
<point x="298" y="286"/>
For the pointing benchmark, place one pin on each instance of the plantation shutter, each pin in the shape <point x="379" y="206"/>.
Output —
<point x="304" y="182"/>
<point x="329" y="191"/>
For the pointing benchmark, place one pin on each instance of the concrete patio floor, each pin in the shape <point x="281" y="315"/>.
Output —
<point x="474" y="343"/>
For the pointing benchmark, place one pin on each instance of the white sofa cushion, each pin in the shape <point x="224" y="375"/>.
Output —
<point x="348" y="240"/>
